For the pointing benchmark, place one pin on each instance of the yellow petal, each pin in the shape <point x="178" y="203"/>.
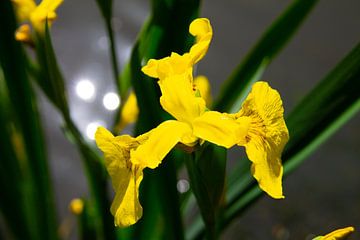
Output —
<point x="150" y="68"/>
<point x="161" y="140"/>
<point x="267" y="136"/>
<point x="220" y="129"/>
<point x="175" y="64"/>
<point x="24" y="8"/>
<point x="266" y="168"/>
<point x="202" y="84"/>
<point x="125" y="177"/>
<point x="338" y="234"/>
<point x="116" y="151"/>
<point x="50" y="5"/>
<point x="179" y="64"/>
<point x="126" y="207"/>
<point x="201" y="29"/>
<point x="178" y="98"/>
<point x="129" y="112"/>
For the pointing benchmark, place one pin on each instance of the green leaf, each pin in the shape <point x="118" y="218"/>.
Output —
<point x="206" y="168"/>
<point x="24" y="133"/>
<point x="11" y="204"/>
<point x="52" y="83"/>
<point x="271" y="43"/>
<point x="329" y="105"/>
<point x="49" y="75"/>
<point x="86" y="223"/>
<point x="105" y="7"/>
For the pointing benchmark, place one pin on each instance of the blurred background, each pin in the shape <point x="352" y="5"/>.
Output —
<point x="323" y="194"/>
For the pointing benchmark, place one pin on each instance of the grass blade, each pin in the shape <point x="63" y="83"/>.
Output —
<point x="105" y="7"/>
<point x="272" y="42"/>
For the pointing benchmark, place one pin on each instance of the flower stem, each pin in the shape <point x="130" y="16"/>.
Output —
<point x="114" y="60"/>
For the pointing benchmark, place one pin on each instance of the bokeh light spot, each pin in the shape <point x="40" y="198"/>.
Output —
<point x="111" y="101"/>
<point x="85" y="89"/>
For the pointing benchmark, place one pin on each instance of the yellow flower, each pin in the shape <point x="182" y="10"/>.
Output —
<point x="23" y="34"/>
<point x="76" y="206"/>
<point x="129" y="112"/>
<point x="259" y="126"/>
<point x="27" y="10"/>
<point x="125" y="159"/>
<point x="201" y="84"/>
<point x="263" y="134"/>
<point x="338" y="234"/>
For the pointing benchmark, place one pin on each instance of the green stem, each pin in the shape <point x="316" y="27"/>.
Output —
<point x="201" y="195"/>
<point x="113" y="56"/>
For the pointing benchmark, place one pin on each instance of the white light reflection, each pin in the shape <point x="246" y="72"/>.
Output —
<point x="85" y="89"/>
<point x="92" y="127"/>
<point x="183" y="186"/>
<point x="111" y="101"/>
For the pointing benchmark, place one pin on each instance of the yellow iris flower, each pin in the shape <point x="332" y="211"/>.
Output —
<point x="338" y="234"/>
<point x="259" y="126"/>
<point x="27" y="10"/>
<point x="125" y="159"/>
<point x="179" y="95"/>
<point x="263" y="134"/>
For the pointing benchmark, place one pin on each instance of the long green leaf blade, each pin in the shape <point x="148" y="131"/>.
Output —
<point x="272" y="42"/>
<point x="52" y="83"/>
<point x="11" y="204"/>
<point x="105" y="7"/>
<point x="206" y="170"/>
<point x="39" y="192"/>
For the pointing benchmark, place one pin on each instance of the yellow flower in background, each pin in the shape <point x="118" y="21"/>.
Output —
<point x="27" y="10"/>
<point x="338" y="234"/>
<point x="76" y="206"/>
<point x="264" y="134"/>
<point x="202" y="84"/>
<point x="129" y="112"/>
<point x="23" y="34"/>
<point x="125" y="159"/>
